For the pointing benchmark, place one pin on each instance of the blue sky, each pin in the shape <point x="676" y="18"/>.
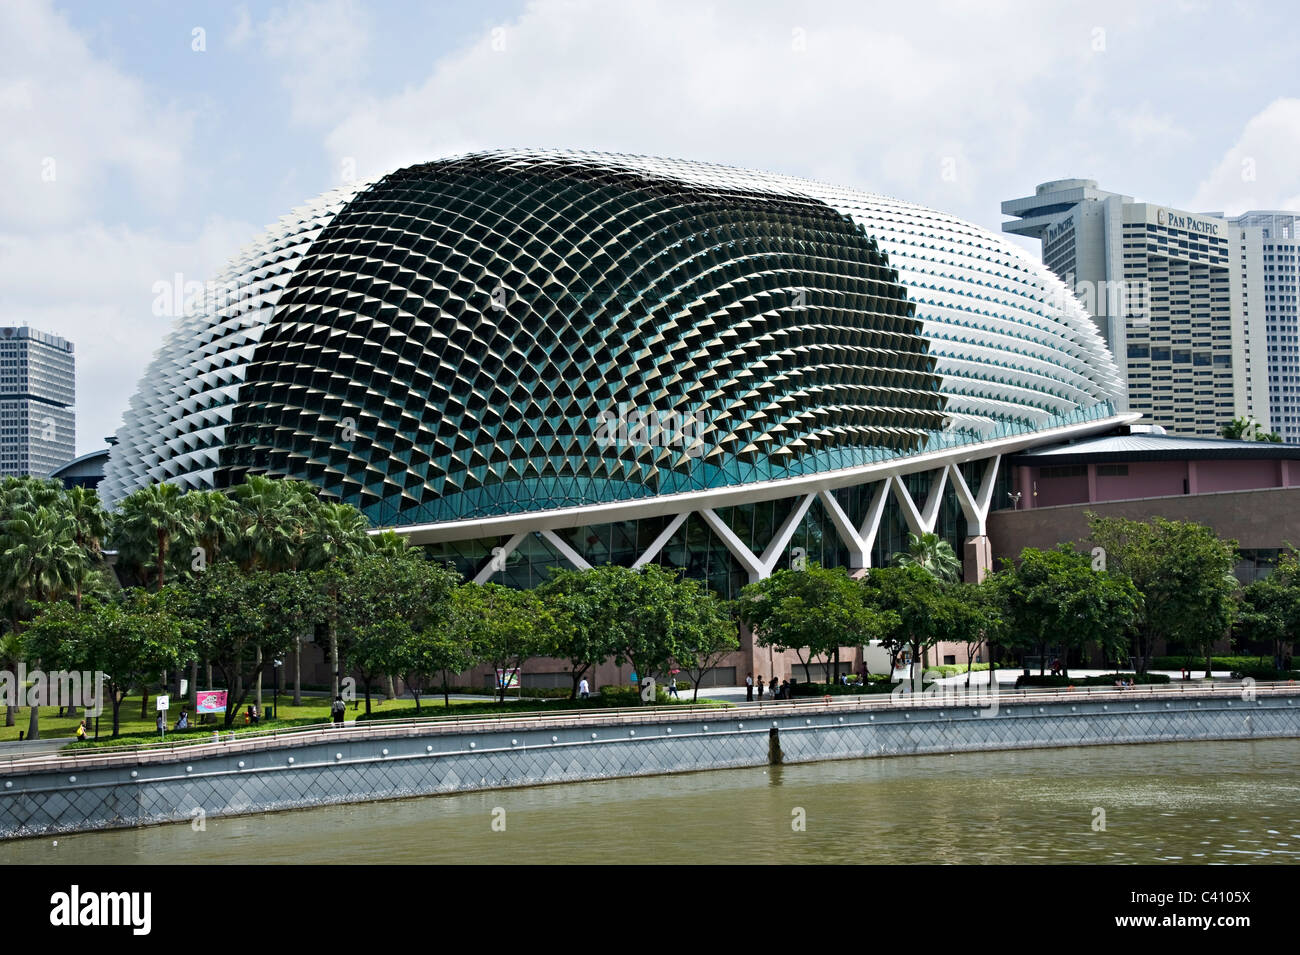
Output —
<point x="128" y="156"/>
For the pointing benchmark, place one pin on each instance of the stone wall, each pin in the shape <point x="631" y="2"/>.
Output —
<point x="358" y="764"/>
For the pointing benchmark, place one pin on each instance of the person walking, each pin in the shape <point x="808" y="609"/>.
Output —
<point x="772" y="688"/>
<point x="672" y="687"/>
<point x="584" y="689"/>
<point x="749" y="688"/>
<point x="338" y="709"/>
<point x="760" y="688"/>
<point x="159" y="722"/>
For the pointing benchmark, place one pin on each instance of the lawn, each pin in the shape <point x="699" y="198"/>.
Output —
<point x="314" y="709"/>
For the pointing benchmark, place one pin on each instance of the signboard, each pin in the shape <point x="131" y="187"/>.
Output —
<point x="508" y="679"/>
<point x="163" y="703"/>
<point x="185" y="686"/>
<point x="209" y="701"/>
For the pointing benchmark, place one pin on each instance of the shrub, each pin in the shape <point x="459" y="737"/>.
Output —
<point x="1106" y="680"/>
<point x="631" y="695"/>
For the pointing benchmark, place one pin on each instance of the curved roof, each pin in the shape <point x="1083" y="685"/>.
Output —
<point x="524" y="330"/>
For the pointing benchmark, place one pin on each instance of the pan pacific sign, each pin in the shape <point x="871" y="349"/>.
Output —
<point x="1180" y="220"/>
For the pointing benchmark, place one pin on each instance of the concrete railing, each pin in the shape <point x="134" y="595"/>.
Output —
<point x="938" y="696"/>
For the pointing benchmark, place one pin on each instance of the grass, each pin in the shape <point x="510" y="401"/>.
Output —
<point x="314" y="709"/>
<point x="525" y="706"/>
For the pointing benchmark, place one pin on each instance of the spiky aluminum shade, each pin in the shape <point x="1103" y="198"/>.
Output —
<point x="444" y="343"/>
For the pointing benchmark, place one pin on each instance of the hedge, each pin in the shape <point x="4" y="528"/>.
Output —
<point x="1107" y="680"/>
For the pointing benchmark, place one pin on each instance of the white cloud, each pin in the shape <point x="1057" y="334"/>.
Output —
<point x="322" y="47"/>
<point x="1260" y="170"/>
<point x="94" y="285"/>
<point x="75" y="126"/>
<point x="832" y="91"/>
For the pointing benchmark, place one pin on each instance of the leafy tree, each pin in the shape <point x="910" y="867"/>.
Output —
<point x="386" y="603"/>
<point x="335" y="533"/>
<point x="247" y="618"/>
<point x="431" y="651"/>
<point x="89" y="525"/>
<point x="504" y="627"/>
<point x="817" y="610"/>
<point x="932" y="553"/>
<point x="1057" y="599"/>
<point x="1184" y="574"/>
<point x="911" y="602"/>
<point x="985" y="617"/>
<point x="715" y="636"/>
<point x="1270" y="609"/>
<point x="129" y="640"/>
<point x="589" y="616"/>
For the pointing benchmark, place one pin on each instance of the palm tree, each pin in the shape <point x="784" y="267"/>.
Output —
<point x="89" y="528"/>
<point x="150" y="520"/>
<point x="336" y="532"/>
<point x="931" y="552"/>
<point x="269" y="515"/>
<point x="213" y="521"/>
<point x="41" y="561"/>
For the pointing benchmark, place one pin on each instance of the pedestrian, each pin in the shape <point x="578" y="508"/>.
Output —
<point x="772" y="687"/>
<point x="785" y="689"/>
<point x="252" y="712"/>
<point x="338" y="709"/>
<point x="81" y="730"/>
<point x="761" y="687"/>
<point x="749" y="687"/>
<point x="672" y="687"/>
<point x="183" y="723"/>
<point x="584" y="689"/>
<point x="159" y="722"/>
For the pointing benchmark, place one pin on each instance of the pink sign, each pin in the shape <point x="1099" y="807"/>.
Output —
<point x="210" y="701"/>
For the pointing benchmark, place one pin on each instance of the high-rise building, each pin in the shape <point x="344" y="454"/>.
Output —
<point x="1268" y="287"/>
<point x="37" y="393"/>
<point x="1159" y="283"/>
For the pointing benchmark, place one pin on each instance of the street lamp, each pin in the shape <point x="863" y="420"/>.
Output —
<point x="277" y="664"/>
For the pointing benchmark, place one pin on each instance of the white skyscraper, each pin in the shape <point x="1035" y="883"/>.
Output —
<point x="1267" y="289"/>
<point x="1160" y="285"/>
<point x="37" y="393"/>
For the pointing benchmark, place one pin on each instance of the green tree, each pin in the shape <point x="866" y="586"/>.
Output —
<point x="813" y="611"/>
<point x="589" y="615"/>
<point x="41" y="561"/>
<point x="932" y="553"/>
<point x="1184" y="574"/>
<point x="335" y="533"/>
<point x="985" y="610"/>
<point x="247" y="618"/>
<point x="504" y="627"/>
<point x="1057" y="599"/>
<point x="129" y="640"/>
<point x="386" y="604"/>
<point x="911" y="602"/>
<point x="148" y="521"/>
<point x="90" y="526"/>
<point x="1248" y="429"/>
<point x="713" y="637"/>
<point x="1269" y="611"/>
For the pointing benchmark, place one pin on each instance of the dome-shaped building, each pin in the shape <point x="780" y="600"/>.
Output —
<point x="527" y="357"/>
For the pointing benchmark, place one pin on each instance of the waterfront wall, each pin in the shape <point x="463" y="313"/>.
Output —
<point x="359" y="764"/>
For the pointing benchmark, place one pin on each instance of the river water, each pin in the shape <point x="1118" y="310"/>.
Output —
<point x="1181" y="803"/>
